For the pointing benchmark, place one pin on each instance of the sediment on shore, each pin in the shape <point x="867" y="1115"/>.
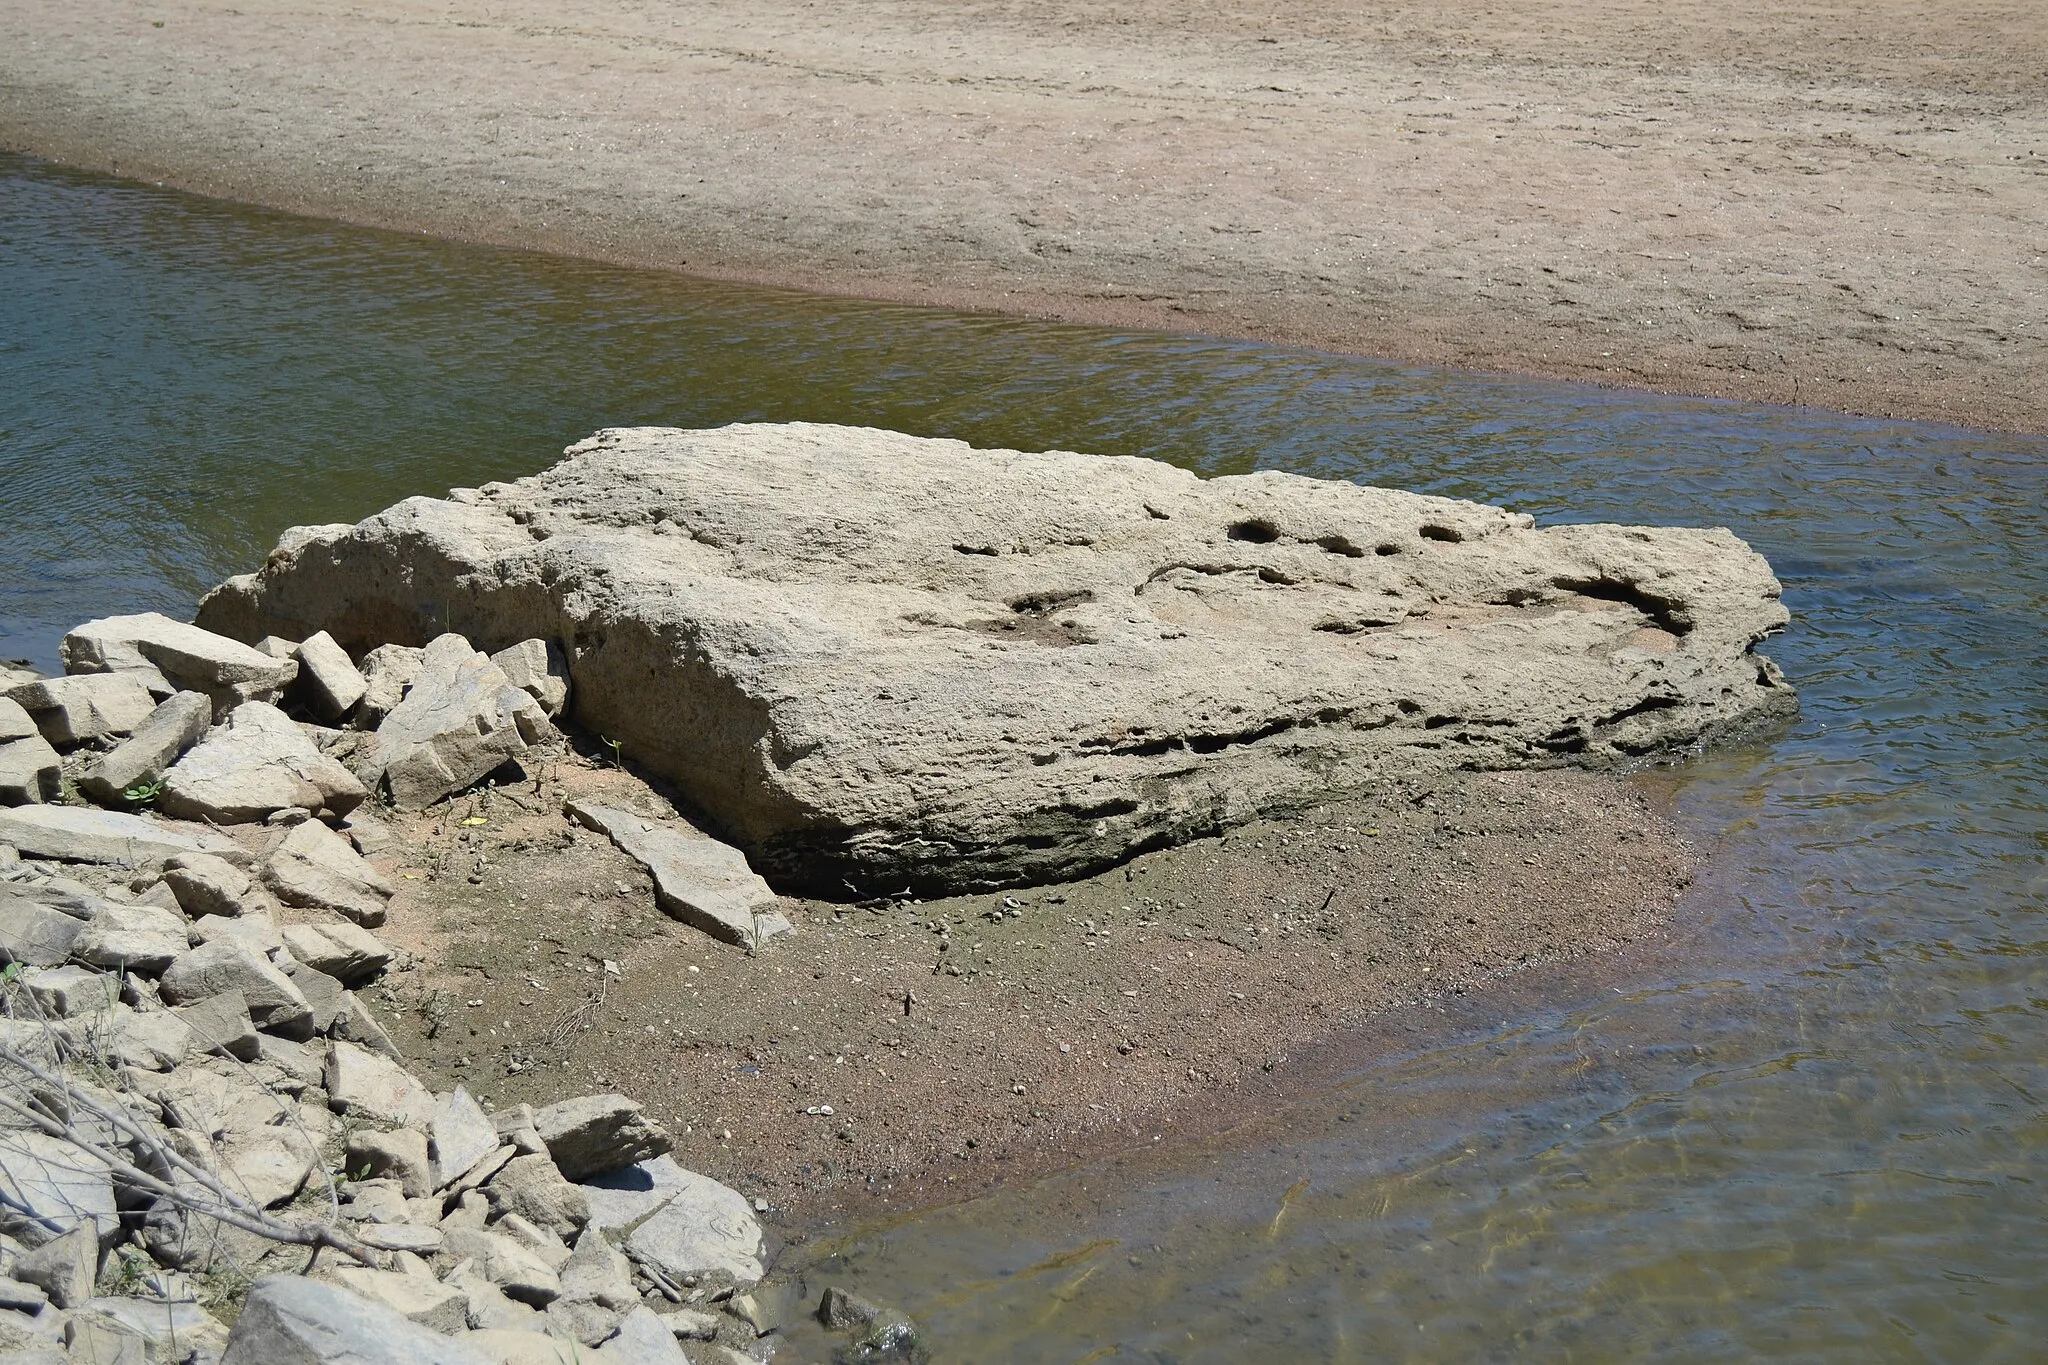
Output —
<point x="1824" y="208"/>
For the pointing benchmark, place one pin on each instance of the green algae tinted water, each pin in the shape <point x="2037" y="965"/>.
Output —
<point x="1813" y="1127"/>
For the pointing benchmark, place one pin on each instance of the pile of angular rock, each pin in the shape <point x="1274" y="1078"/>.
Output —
<point x="200" y="1121"/>
<point x="191" y="1096"/>
<point x="164" y="712"/>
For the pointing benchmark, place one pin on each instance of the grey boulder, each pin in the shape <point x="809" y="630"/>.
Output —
<point x="596" y="1133"/>
<point x="887" y="661"/>
<point x="328" y="679"/>
<point x="258" y="763"/>
<point x="388" y="673"/>
<point x="343" y="951"/>
<point x="683" y="1223"/>
<point x="539" y="669"/>
<point x="275" y="1005"/>
<point x="188" y="656"/>
<point x="315" y="868"/>
<point x="461" y="718"/>
<point x="70" y="711"/>
<point x="206" y="885"/>
<point x="30" y="770"/>
<point x="34" y="932"/>
<point x="291" y="1320"/>
<point x="142" y="939"/>
<point x="177" y="724"/>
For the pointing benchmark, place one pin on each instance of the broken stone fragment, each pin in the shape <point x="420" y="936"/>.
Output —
<point x="256" y="931"/>
<point x="176" y="725"/>
<point x="458" y="1136"/>
<point x="77" y="834"/>
<point x="461" y="718"/>
<point x="362" y="1083"/>
<point x="597" y="1133"/>
<point x="596" y="1272"/>
<point x="277" y="647"/>
<point x="221" y="1024"/>
<point x="513" y="1267"/>
<point x="329" y="681"/>
<point x="15" y="722"/>
<point x="206" y="885"/>
<point x="256" y="764"/>
<point x="64" y="1267"/>
<point x="30" y="771"/>
<point x="70" y="711"/>
<point x="143" y="939"/>
<point x="534" y="1188"/>
<point x="342" y="950"/>
<point x="325" y="998"/>
<point x="315" y="868"/>
<point x="188" y="656"/>
<point x="60" y="992"/>
<point x="154" y="1041"/>
<point x="34" y="932"/>
<point x="292" y="1320"/>
<point x="427" y="1302"/>
<point x="274" y="1003"/>
<point x="388" y="671"/>
<point x="357" y="1025"/>
<point x="538" y="668"/>
<point x="400" y="1155"/>
<point x="642" y="1338"/>
<point x="698" y="880"/>
<point x="47" y="1181"/>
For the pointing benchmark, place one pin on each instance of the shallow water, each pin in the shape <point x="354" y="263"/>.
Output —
<point x="1818" y="1128"/>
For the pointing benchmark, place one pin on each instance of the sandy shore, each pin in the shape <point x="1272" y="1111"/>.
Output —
<point x="1838" y="205"/>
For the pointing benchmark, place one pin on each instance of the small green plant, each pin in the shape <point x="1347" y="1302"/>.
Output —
<point x="144" y="793"/>
<point x="618" y="748"/>
<point x="126" y="1271"/>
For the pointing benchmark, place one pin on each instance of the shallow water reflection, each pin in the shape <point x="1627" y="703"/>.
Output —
<point x="1814" y="1126"/>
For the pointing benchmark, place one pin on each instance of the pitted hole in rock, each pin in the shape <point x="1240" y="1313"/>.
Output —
<point x="1664" y="613"/>
<point x="1385" y="548"/>
<point x="1517" y="597"/>
<point x="976" y="550"/>
<point x="1341" y="545"/>
<point x="1047" y="602"/>
<point x="1271" y="575"/>
<point x="1256" y="531"/>
<point x="1448" y="535"/>
<point x="1407" y="707"/>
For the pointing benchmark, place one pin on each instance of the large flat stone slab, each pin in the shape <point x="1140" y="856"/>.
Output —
<point x="227" y="670"/>
<point x="78" y="835"/>
<point x="702" y="882"/>
<point x="882" y="662"/>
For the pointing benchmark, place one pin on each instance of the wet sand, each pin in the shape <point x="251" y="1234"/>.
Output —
<point x="1837" y="205"/>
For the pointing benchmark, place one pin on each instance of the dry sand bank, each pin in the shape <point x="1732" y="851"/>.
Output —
<point x="1844" y="204"/>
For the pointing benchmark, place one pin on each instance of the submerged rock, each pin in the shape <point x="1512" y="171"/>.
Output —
<point x="881" y="661"/>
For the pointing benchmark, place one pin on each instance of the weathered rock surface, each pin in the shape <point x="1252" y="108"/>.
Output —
<point x="75" y="834"/>
<point x="892" y="661"/>
<point x="177" y="724"/>
<point x="698" y="880"/>
<point x="596" y="1133"/>
<point x="71" y="711"/>
<point x="328" y="679"/>
<point x="697" y="1226"/>
<point x="142" y="939"/>
<point x="388" y="671"/>
<point x="227" y="670"/>
<point x="53" y="1182"/>
<point x="364" y="1083"/>
<point x="258" y="763"/>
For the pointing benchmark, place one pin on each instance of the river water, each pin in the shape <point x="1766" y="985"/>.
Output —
<point x="1815" y="1126"/>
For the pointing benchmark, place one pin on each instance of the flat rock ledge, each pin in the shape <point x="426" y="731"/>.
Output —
<point x="884" y="662"/>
